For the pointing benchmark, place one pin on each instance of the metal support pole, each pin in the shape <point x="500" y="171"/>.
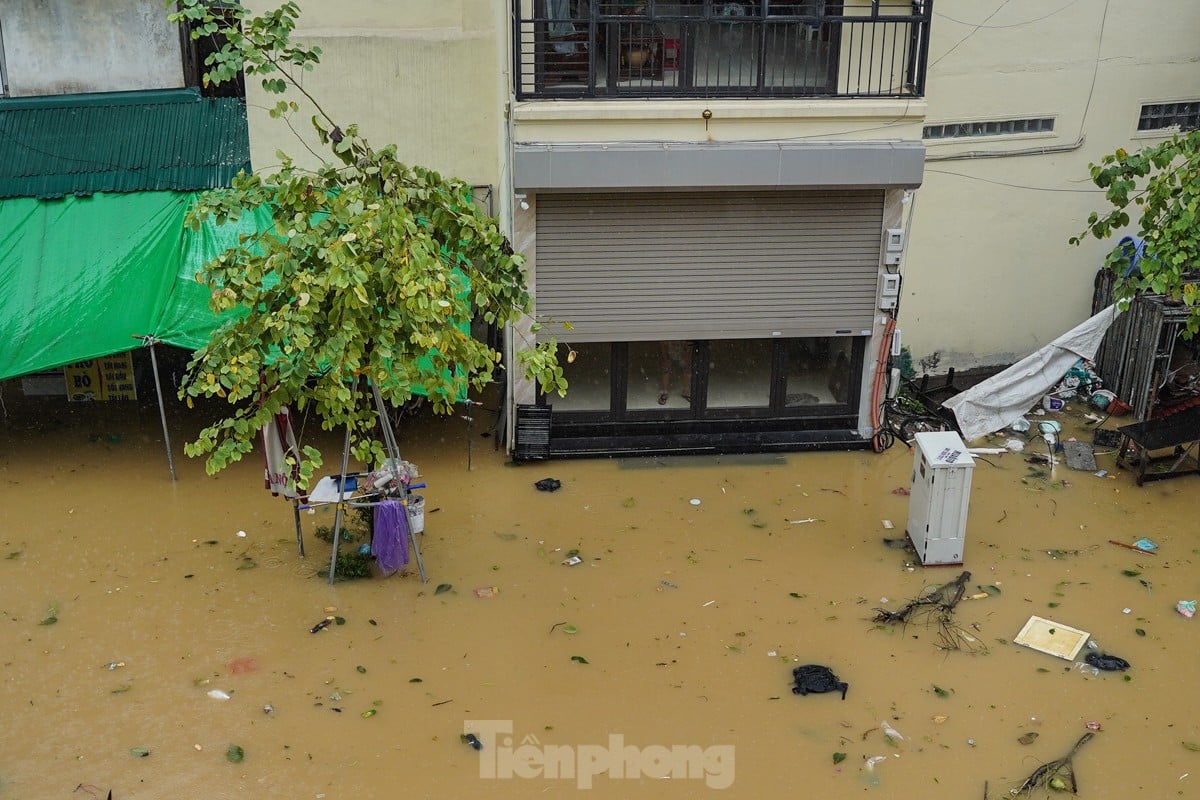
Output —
<point x="299" y="529"/>
<point x="341" y="504"/>
<point x="162" y="411"/>
<point x="389" y="442"/>
<point x="470" y="418"/>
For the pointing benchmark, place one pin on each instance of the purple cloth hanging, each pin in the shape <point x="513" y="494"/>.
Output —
<point x="390" y="542"/>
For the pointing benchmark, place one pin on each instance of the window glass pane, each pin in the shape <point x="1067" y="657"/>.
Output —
<point x="660" y="375"/>
<point x="739" y="373"/>
<point x="818" y="371"/>
<point x="588" y="375"/>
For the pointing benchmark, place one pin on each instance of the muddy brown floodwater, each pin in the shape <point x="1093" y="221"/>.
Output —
<point x="687" y="621"/>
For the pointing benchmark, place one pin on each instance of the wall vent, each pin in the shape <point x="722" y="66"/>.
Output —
<point x="996" y="127"/>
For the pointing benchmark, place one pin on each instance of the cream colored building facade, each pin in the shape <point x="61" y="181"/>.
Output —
<point x="987" y="275"/>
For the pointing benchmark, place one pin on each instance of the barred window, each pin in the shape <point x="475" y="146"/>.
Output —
<point x="1157" y="116"/>
<point x="999" y="127"/>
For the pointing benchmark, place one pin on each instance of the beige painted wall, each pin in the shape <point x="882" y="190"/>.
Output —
<point x="989" y="276"/>
<point x="426" y="75"/>
<point x="731" y="120"/>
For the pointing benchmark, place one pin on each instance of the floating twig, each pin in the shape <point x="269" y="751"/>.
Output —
<point x="1132" y="547"/>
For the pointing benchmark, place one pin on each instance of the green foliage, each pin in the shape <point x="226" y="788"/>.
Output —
<point x="370" y="273"/>
<point x="347" y="535"/>
<point x="351" y="565"/>
<point x="1161" y="184"/>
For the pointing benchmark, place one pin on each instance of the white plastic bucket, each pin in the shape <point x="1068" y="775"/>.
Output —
<point x="416" y="513"/>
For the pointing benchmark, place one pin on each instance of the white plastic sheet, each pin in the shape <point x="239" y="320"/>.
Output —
<point x="1005" y="397"/>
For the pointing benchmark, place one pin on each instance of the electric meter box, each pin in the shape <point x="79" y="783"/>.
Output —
<point x="941" y="492"/>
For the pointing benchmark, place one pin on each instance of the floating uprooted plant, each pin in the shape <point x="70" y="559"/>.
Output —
<point x="1058" y="775"/>
<point x="935" y="608"/>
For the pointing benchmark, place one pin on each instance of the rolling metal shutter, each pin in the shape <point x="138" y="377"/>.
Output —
<point x="716" y="265"/>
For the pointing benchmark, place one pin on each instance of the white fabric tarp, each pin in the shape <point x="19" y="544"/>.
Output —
<point x="1005" y="397"/>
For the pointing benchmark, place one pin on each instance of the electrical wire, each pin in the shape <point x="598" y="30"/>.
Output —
<point x="879" y="440"/>
<point x="974" y="30"/>
<point x="1095" y="70"/>
<point x="1001" y="27"/>
<point x="1015" y="185"/>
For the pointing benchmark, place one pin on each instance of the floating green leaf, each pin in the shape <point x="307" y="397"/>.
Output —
<point x="1140" y="631"/>
<point x="1193" y="746"/>
<point x="1042" y="669"/>
<point x="50" y="620"/>
<point x="416" y="680"/>
<point x="1130" y="573"/>
<point x="940" y="692"/>
<point x="139" y="752"/>
<point x="1028" y="738"/>
<point x="442" y="588"/>
<point x="579" y="659"/>
<point x="570" y="629"/>
<point x="235" y="754"/>
<point x="839" y="758"/>
<point x="370" y="712"/>
<point x="629" y="502"/>
<point x="339" y="620"/>
<point x="123" y="688"/>
<point x="990" y="589"/>
<point x="797" y="595"/>
<point x="507" y="537"/>
<point x="361" y="669"/>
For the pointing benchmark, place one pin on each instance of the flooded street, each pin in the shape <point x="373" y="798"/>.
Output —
<point x="127" y="599"/>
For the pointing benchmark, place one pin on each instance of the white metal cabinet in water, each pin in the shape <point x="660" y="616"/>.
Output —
<point x="941" y="491"/>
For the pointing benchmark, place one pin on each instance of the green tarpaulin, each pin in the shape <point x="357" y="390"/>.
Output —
<point x="82" y="277"/>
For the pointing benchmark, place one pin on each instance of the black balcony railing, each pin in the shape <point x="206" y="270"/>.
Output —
<point x="712" y="48"/>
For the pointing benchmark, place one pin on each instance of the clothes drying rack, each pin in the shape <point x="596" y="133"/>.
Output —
<point x="389" y="482"/>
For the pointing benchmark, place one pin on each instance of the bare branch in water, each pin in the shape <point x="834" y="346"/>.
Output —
<point x="935" y="608"/>
<point x="1058" y="775"/>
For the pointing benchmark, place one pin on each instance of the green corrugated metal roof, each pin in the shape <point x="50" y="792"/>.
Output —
<point x="80" y="144"/>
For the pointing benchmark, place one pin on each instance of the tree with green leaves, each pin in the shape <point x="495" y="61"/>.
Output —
<point x="371" y="271"/>
<point x="1161" y="184"/>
